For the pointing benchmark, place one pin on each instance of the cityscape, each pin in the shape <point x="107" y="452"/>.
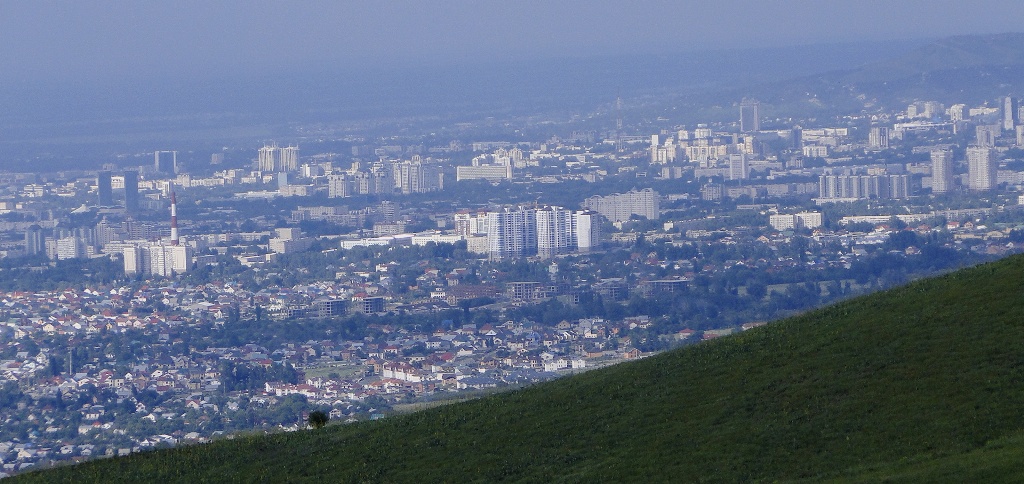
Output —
<point x="353" y="217"/>
<point x="161" y="304"/>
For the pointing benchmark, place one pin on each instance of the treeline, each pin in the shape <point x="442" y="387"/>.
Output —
<point x="244" y="377"/>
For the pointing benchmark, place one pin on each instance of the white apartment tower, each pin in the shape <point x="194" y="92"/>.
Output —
<point x="511" y="233"/>
<point x="878" y="138"/>
<point x="158" y="259"/>
<point x="1010" y="114"/>
<point x="620" y="207"/>
<point x="738" y="167"/>
<point x="547" y="231"/>
<point x="942" y="171"/>
<point x="554" y="231"/>
<point x="275" y="158"/>
<point x="981" y="168"/>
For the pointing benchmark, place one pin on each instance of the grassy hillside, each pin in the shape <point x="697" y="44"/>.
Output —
<point x="921" y="381"/>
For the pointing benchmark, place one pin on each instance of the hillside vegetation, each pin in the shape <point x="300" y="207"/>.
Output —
<point x="924" y="382"/>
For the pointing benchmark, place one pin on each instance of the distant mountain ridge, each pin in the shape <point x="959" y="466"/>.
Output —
<point x="921" y="382"/>
<point x="948" y="53"/>
<point x="972" y="69"/>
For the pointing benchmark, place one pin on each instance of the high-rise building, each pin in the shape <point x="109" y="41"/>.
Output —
<point x="35" y="242"/>
<point x="520" y="231"/>
<point x="942" y="171"/>
<point x="620" y="207"/>
<point x="70" y="248"/>
<point x="165" y="258"/>
<point x="586" y="226"/>
<point x="957" y="112"/>
<point x="750" y="116"/>
<point x="858" y="187"/>
<point x="415" y="177"/>
<point x="1010" y="114"/>
<point x="986" y="134"/>
<point x="290" y="158"/>
<point x="554" y="231"/>
<point x="104" y="189"/>
<point x="981" y="168"/>
<point x="511" y="233"/>
<point x="131" y="190"/>
<point x="275" y="158"/>
<point x="157" y="258"/>
<point x="165" y="162"/>
<point x="878" y="138"/>
<point x="738" y="168"/>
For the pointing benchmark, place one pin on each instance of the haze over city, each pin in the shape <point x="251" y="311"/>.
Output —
<point x="704" y="234"/>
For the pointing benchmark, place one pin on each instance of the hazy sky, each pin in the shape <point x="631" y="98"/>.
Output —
<point x="72" y="39"/>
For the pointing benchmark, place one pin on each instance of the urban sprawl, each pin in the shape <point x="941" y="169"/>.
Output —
<point x="152" y="304"/>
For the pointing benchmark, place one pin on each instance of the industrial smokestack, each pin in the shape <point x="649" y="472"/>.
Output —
<point x="174" y="219"/>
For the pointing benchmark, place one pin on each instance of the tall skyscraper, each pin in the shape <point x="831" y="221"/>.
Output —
<point x="131" y="190"/>
<point x="165" y="162"/>
<point x="981" y="168"/>
<point x="942" y="171"/>
<point x="750" y="116"/>
<point x="1010" y="114"/>
<point x="104" y="189"/>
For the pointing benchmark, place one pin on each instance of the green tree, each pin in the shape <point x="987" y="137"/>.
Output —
<point x="317" y="419"/>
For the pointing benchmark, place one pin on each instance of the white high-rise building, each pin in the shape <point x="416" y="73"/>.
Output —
<point x="738" y="167"/>
<point x="586" y="230"/>
<point x="511" y="233"/>
<point x="70" y="248"/>
<point x="520" y="231"/>
<point x="416" y="177"/>
<point x="942" y="171"/>
<point x="1010" y="119"/>
<point x="275" y="158"/>
<point x="878" y="138"/>
<point x="554" y="231"/>
<point x="981" y="168"/>
<point x="157" y="258"/>
<point x="620" y="207"/>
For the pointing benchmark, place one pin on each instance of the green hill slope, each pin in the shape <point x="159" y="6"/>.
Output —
<point x="909" y="380"/>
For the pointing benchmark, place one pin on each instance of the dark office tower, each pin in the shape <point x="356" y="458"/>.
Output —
<point x="165" y="162"/>
<point x="35" y="243"/>
<point x="103" y="186"/>
<point x="750" y="119"/>
<point x="131" y="191"/>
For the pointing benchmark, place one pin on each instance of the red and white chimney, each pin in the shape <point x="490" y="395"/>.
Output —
<point x="174" y="219"/>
